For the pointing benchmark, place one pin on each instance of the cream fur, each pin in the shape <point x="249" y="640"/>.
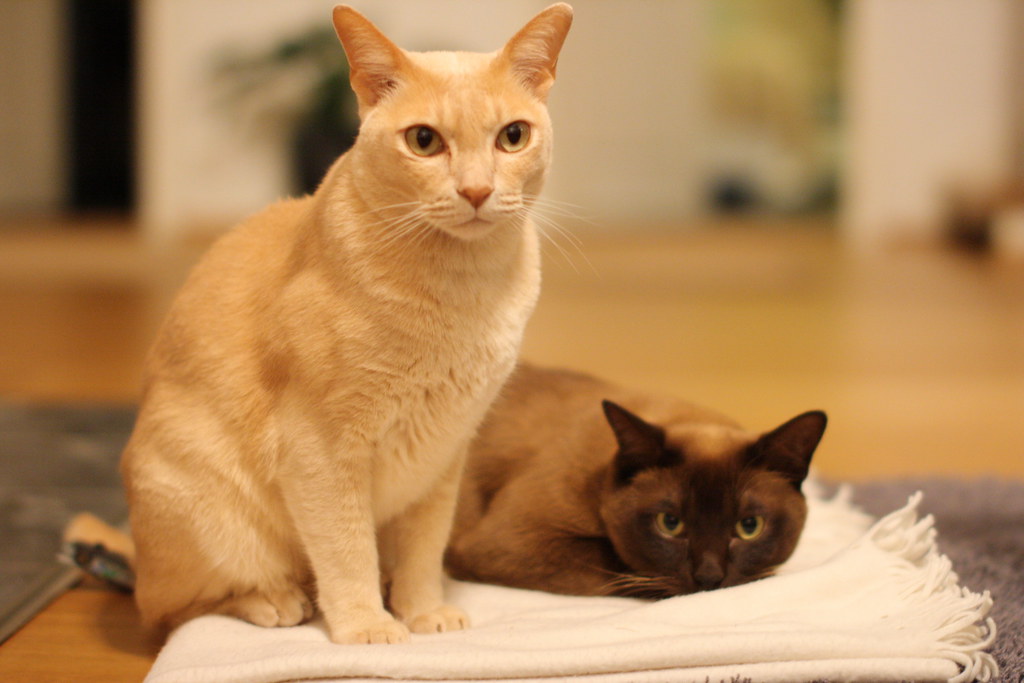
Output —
<point x="309" y="399"/>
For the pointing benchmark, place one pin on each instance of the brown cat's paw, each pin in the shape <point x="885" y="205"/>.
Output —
<point x="371" y="631"/>
<point x="444" y="618"/>
<point x="274" y="608"/>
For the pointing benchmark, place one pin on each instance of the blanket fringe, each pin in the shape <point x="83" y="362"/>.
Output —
<point x="966" y="631"/>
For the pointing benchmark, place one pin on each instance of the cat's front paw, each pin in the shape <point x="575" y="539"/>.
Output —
<point x="444" y="618"/>
<point x="374" y="630"/>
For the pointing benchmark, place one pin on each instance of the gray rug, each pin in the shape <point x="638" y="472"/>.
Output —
<point x="981" y="528"/>
<point x="54" y="462"/>
<point x="57" y="461"/>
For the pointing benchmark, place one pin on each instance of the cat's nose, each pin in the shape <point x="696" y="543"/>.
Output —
<point x="709" y="574"/>
<point x="476" y="194"/>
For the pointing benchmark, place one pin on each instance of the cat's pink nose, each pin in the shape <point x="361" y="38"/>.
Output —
<point x="477" y="194"/>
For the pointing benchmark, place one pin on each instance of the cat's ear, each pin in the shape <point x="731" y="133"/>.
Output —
<point x="375" y="64"/>
<point x="788" y="449"/>
<point x="641" y="444"/>
<point x="532" y="54"/>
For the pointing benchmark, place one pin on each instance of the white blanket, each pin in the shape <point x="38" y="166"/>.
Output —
<point x="856" y="602"/>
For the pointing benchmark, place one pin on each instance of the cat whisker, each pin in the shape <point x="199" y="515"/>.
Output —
<point x="396" y="233"/>
<point x="564" y="232"/>
<point x="549" y="222"/>
<point x="398" y="217"/>
<point x="558" y="206"/>
<point x="764" y="574"/>
<point x="408" y="225"/>
<point x="552" y="209"/>
<point x="547" y="225"/>
<point x="389" y="207"/>
<point x="636" y="585"/>
<point x="647" y="590"/>
<point x="545" y="253"/>
<point x="394" y="227"/>
<point x="422" y="235"/>
<point x="565" y="255"/>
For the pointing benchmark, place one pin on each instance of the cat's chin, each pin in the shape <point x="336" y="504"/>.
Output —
<point x="471" y="230"/>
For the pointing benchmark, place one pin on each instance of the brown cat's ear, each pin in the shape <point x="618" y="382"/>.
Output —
<point x="788" y="449"/>
<point x="641" y="444"/>
<point x="375" y="63"/>
<point x="532" y="54"/>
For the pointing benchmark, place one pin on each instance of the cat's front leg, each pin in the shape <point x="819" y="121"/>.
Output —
<point x="413" y="544"/>
<point x="329" y="499"/>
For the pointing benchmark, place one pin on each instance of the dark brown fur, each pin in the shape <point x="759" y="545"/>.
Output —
<point x="564" y="487"/>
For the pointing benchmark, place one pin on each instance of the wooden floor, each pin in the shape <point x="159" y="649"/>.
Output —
<point x="917" y="356"/>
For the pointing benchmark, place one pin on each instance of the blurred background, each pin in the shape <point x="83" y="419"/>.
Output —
<point x="769" y="206"/>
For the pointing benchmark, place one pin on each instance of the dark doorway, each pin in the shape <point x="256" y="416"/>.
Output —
<point x="101" y="75"/>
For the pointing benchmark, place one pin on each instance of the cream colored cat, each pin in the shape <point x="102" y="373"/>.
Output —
<point x="309" y="400"/>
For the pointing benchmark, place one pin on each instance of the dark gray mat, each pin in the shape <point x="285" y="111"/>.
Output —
<point x="54" y="463"/>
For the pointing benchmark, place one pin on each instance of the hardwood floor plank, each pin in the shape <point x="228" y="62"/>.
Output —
<point x="88" y="635"/>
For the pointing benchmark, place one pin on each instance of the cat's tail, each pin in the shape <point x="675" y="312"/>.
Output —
<point x="100" y="550"/>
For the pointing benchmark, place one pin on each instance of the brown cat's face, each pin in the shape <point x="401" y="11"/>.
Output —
<point x="704" y="507"/>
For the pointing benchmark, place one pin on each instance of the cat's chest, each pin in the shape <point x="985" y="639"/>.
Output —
<point x="464" y="335"/>
<point x="429" y="426"/>
<point x="475" y="315"/>
<point x="440" y="376"/>
<point x="420" y="367"/>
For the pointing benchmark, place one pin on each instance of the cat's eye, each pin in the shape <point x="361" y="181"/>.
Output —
<point x="424" y="141"/>
<point x="668" y="524"/>
<point x="750" y="528"/>
<point x="514" y="136"/>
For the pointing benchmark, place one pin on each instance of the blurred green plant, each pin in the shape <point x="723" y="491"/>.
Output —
<point x="300" y="84"/>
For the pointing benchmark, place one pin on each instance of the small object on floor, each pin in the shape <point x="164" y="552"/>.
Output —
<point x="96" y="560"/>
<point x="100" y="550"/>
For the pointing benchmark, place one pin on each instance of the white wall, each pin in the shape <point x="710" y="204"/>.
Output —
<point x="628" y="110"/>
<point x="1017" y="85"/>
<point x="931" y="101"/>
<point x="199" y="162"/>
<point x="31" y="105"/>
<point x="930" y="107"/>
<point x="627" y="135"/>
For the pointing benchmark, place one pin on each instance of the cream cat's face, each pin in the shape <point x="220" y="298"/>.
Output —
<point x="464" y="144"/>
<point x="459" y="142"/>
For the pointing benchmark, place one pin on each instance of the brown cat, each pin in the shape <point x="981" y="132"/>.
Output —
<point x="310" y="397"/>
<point x="569" y="492"/>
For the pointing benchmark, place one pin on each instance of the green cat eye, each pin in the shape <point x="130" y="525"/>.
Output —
<point x="514" y="136"/>
<point x="424" y="141"/>
<point x="668" y="524"/>
<point x="750" y="528"/>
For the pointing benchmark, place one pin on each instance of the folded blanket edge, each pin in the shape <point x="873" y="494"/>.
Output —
<point x="967" y="630"/>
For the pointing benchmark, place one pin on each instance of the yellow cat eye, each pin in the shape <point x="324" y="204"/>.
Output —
<point x="668" y="524"/>
<point x="514" y="136"/>
<point x="750" y="528"/>
<point x="424" y="141"/>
